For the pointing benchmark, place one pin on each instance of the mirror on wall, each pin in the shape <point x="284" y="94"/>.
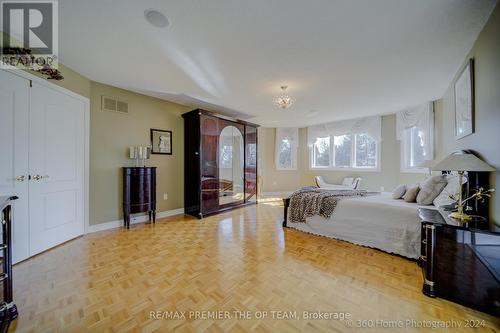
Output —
<point x="231" y="166"/>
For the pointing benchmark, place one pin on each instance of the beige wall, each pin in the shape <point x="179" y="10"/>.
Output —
<point x="272" y="179"/>
<point x="110" y="135"/>
<point x="486" y="139"/>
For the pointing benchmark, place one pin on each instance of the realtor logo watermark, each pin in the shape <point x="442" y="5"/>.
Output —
<point x="29" y="36"/>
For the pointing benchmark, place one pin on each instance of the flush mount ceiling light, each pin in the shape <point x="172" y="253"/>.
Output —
<point x="283" y="101"/>
<point x="155" y="18"/>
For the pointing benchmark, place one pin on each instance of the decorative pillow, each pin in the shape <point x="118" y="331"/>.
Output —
<point x="411" y="193"/>
<point x="399" y="191"/>
<point x="347" y="181"/>
<point x="452" y="187"/>
<point x="430" y="189"/>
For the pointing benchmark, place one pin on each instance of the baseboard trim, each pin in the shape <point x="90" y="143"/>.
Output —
<point x="133" y="220"/>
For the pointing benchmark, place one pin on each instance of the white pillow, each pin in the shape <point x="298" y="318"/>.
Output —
<point x="399" y="191"/>
<point x="430" y="189"/>
<point x="347" y="181"/>
<point x="452" y="187"/>
<point x="411" y="193"/>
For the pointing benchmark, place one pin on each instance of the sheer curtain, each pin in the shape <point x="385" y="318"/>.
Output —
<point x="422" y="118"/>
<point x="287" y="142"/>
<point x="369" y="125"/>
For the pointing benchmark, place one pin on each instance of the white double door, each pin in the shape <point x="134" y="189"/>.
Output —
<point x="42" y="149"/>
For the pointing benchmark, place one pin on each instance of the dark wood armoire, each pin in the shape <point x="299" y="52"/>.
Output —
<point x="220" y="163"/>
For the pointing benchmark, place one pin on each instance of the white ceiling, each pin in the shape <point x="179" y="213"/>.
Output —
<point x="340" y="58"/>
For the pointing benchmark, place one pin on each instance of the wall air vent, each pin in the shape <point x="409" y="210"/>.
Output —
<point x="113" y="105"/>
<point x="121" y="107"/>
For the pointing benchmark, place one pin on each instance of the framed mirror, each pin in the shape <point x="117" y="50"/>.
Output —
<point x="231" y="166"/>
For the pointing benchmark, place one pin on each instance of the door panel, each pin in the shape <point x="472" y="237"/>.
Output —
<point x="250" y="164"/>
<point x="63" y="146"/>
<point x="54" y="215"/>
<point x="14" y="113"/>
<point x="209" y="173"/>
<point x="7" y="139"/>
<point x="56" y="159"/>
<point x="231" y="163"/>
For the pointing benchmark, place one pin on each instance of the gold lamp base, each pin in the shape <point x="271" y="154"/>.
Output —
<point x="460" y="216"/>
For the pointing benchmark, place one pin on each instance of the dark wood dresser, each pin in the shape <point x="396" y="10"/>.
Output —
<point x="8" y="310"/>
<point x="460" y="262"/>
<point x="139" y="192"/>
<point x="220" y="163"/>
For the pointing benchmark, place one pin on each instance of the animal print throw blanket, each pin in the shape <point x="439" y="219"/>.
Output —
<point x="310" y="201"/>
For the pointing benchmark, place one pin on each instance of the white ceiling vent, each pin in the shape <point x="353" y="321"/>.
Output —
<point x="113" y="105"/>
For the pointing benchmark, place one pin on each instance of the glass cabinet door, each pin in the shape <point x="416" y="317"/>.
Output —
<point x="231" y="163"/>
<point x="250" y="163"/>
<point x="209" y="171"/>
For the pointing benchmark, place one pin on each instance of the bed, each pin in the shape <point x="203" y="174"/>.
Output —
<point x="377" y="221"/>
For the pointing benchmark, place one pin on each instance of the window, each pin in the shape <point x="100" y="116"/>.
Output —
<point x="286" y="148"/>
<point x="349" y="151"/>
<point x="415" y="131"/>
<point x="342" y="151"/>
<point x="285" y="154"/>
<point x="366" y="151"/>
<point x="345" y="145"/>
<point x="413" y="150"/>
<point x="321" y="153"/>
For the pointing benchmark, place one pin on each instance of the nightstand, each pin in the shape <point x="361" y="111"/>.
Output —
<point x="460" y="262"/>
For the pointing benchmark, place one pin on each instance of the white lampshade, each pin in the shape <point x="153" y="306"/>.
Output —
<point x="460" y="161"/>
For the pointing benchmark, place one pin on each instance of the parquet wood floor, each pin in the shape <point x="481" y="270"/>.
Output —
<point x="241" y="260"/>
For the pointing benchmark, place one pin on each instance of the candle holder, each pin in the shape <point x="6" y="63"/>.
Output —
<point x="140" y="154"/>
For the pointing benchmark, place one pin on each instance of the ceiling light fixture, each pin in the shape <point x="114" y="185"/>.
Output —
<point x="283" y="101"/>
<point x="155" y="18"/>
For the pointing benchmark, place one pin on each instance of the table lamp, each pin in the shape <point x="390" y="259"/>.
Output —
<point x="461" y="161"/>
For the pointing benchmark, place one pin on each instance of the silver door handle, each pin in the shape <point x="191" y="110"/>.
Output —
<point x="38" y="177"/>
<point x="20" y="178"/>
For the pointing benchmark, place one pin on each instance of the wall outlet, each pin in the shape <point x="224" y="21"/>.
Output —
<point x="165" y="196"/>
<point x="382" y="189"/>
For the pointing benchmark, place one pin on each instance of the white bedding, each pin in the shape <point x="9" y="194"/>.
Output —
<point x="377" y="221"/>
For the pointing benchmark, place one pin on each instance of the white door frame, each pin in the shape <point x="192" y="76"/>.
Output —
<point x="86" y="101"/>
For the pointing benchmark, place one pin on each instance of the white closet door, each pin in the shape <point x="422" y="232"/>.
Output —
<point x="14" y="113"/>
<point x="56" y="155"/>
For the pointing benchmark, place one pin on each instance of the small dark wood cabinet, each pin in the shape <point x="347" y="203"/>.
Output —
<point x="220" y="163"/>
<point x="139" y="192"/>
<point x="8" y="310"/>
<point x="460" y="263"/>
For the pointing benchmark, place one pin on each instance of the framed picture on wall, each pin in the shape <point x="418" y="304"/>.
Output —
<point x="161" y="142"/>
<point x="464" y="102"/>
